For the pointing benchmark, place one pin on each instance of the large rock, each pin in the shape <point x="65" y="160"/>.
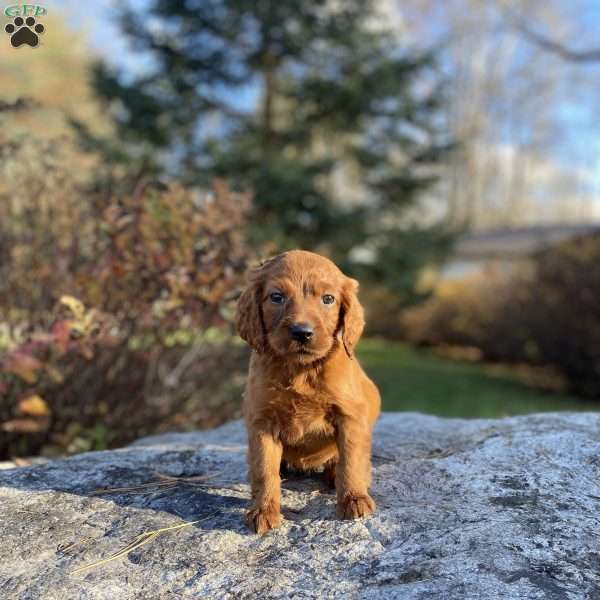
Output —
<point x="466" y="509"/>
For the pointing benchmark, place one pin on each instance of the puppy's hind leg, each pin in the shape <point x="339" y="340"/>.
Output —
<point x="329" y="474"/>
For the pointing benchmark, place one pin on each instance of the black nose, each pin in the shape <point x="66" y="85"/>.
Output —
<point x="301" y="332"/>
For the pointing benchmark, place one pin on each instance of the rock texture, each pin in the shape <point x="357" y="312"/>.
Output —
<point x="466" y="509"/>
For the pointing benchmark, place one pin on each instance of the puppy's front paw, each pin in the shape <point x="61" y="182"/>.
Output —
<point x="355" y="506"/>
<point x="262" y="518"/>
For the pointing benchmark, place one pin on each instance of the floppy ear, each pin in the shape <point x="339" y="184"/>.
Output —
<point x="353" y="317"/>
<point x="248" y="319"/>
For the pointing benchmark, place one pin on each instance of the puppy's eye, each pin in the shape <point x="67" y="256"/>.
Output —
<point x="328" y="299"/>
<point x="277" y="298"/>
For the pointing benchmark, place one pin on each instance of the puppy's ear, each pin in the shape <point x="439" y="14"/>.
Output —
<point x="248" y="319"/>
<point x="353" y="316"/>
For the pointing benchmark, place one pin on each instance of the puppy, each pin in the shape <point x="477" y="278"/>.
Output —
<point x="307" y="401"/>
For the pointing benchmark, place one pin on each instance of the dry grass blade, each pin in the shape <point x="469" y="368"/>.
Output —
<point x="139" y="541"/>
<point x="143" y="488"/>
<point x="190" y="480"/>
<point x="68" y="548"/>
<point x="163" y="482"/>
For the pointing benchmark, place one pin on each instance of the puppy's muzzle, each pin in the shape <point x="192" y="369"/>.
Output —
<point x="301" y="332"/>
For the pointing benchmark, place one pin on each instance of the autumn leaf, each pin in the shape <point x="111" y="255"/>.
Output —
<point x="34" y="406"/>
<point x="61" y="331"/>
<point x="24" y="366"/>
<point x="74" y="305"/>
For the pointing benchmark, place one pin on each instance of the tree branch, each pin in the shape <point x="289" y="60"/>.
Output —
<point x="551" y="45"/>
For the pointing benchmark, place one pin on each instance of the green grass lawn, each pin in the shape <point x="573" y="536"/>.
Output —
<point x="417" y="380"/>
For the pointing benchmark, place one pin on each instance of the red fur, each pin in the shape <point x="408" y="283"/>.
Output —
<point x="310" y="409"/>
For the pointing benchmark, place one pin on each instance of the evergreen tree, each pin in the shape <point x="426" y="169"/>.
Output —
<point x="314" y="106"/>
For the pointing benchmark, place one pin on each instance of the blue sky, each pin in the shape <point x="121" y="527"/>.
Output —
<point x="96" y="21"/>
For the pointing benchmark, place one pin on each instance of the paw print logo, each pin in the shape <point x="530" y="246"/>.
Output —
<point x="24" y="32"/>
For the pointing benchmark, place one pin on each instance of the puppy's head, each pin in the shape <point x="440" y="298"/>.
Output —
<point x="297" y="306"/>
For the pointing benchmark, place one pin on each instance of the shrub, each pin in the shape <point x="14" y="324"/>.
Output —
<point x="482" y="311"/>
<point x="546" y="313"/>
<point x="565" y="312"/>
<point x="116" y="312"/>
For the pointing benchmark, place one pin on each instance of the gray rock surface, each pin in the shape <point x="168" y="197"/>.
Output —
<point x="466" y="509"/>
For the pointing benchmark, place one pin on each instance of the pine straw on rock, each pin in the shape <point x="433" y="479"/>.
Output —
<point x="163" y="482"/>
<point x="140" y="540"/>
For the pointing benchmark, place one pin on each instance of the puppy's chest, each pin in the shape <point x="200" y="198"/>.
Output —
<point x="304" y="417"/>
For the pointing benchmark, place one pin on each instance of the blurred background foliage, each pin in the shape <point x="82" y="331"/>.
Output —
<point x="543" y="313"/>
<point x="437" y="151"/>
<point x="337" y="97"/>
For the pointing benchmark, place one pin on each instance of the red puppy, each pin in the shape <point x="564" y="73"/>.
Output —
<point x="307" y="400"/>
